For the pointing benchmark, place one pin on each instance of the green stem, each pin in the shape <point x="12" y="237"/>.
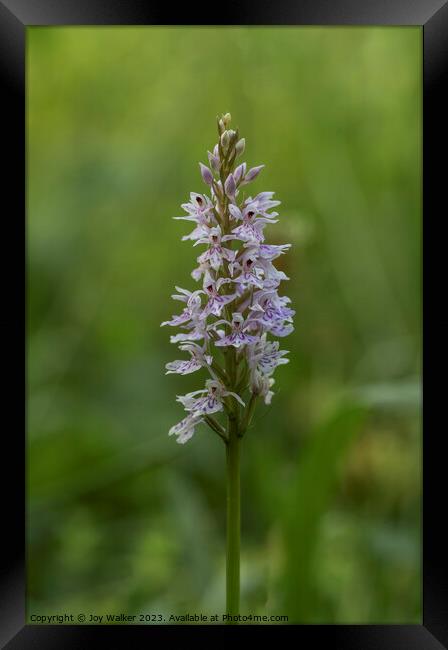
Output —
<point x="233" y="520"/>
<point x="233" y="437"/>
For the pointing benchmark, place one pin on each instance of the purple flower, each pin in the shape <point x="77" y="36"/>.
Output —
<point x="216" y="300"/>
<point x="211" y="402"/>
<point x="238" y="336"/>
<point x="197" y="207"/>
<point x="254" y="216"/>
<point x="200" y="210"/>
<point x="193" y="300"/>
<point x="270" y="312"/>
<point x="250" y="273"/>
<point x="184" y="429"/>
<point x="264" y="356"/>
<point x="217" y="253"/>
<point x="267" y="251"/>
<point x="198" y="360"/>
<point x="197" y="330"/>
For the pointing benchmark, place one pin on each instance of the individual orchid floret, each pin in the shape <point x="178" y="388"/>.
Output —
<point x="251" y="229"/>
<point x="184" y="430"/>
<point x="238" y="335"/>
<point x="254" y="216"/>
<point x="216" y="300"/>
<point x="197" y="330"/>
<point x="264" y="202"/>
<point x="257" y="206"/>
<point x="256" y="268"/>
<point x="200" y="210"/>
<point x="270" y="312"/>
<point x="217" y="253"/>
<point x="250" y="274"/>
<point x="193" y="300"/>
<point x="264" y="356"/>
<point x="282" y="329"/>
<point x="198" y="207"/>
<point x="267" y="251"/>
<point x="211" y="402"/>
<point x="272" y="276"/>
<point x="239" y="215"/>
<point x="199" y="359"/>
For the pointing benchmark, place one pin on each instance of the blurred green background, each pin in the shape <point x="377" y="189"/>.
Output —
<point x="120" y="518"/>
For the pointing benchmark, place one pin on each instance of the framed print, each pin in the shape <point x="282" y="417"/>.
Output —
<point x="219" y="228"/>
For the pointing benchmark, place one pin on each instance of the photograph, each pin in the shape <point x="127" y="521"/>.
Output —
<point x="224" y="327"/>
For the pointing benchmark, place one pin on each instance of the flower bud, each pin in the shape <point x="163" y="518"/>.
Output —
<point x="240" y="146"/>
<point x="206" y="174"/>
<point x="214" y="161"/>
<point x="253" y="173"/>
<point x="226" y="119"/>
<point x="239" y="173"/>
<point x="261" y="385"/>
<point x="225" y="139"/>
<point x="256" y="383"/>
<point x="221" y="126"/>
<point x="230" y="186"/>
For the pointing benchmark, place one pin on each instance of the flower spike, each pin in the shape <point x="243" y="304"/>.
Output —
<point x="229" y="324"/>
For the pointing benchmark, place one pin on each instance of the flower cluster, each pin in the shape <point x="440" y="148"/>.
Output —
<point x="228" y="323"/>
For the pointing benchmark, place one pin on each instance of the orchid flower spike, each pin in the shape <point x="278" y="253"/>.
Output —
<point x="230" y="323"/>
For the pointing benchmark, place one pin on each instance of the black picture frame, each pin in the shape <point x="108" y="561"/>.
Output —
<point x="15" y="16"/>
